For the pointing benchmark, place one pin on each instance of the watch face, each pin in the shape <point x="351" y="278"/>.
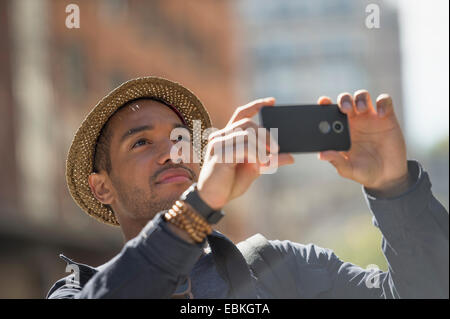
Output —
<point x="191" y="197"/>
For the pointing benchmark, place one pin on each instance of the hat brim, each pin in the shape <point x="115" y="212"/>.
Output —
<point x="80" y="160"/>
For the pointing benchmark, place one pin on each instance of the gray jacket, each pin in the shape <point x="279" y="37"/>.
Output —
<point x="156" y="263"/>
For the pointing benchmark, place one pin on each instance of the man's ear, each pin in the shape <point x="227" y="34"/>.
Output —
<point x="101" y="187"/>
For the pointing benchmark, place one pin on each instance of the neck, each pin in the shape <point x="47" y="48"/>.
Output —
<point x="131" y="228"/>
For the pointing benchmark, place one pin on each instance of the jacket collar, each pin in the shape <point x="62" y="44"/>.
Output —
<point x="229" y="262"/>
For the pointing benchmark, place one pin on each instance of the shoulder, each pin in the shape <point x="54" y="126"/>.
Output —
<point x="70" y="285"/>
<point x="300" y="270"/>
<point x="286" y="249"/>
<point x="304" y="253"/>
<point x="63" y="289"/>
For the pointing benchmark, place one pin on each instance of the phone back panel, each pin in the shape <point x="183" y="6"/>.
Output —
<point x="308" y="128"/>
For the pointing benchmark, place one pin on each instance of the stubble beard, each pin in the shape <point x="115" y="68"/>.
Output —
<point x="142" y="205"/>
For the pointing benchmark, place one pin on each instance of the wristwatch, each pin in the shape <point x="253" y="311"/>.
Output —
<point x="192" y="197"/>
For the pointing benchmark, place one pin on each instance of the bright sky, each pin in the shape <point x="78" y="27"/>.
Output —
<point x="425" y="61"/>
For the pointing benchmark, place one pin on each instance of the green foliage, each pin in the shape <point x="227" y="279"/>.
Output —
<point x="440" y="148"/>
<point x="357" y="241"/>
<point x="361" y="244"/>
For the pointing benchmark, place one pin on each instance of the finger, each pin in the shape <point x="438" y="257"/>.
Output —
<point x="242" y="124"/>
<point x="384" y="105"/>
<point x="238" y="147"/>
<point x="324" y="100"/>
<point x="250" y="126"/>
<point x="346" y="104"/>
<point x="251" y="109"/>
<point x="280" y="159"/>
<point x="242" y="153"/>
<point x="246" y="151"/>
<point x="285" y="159"/>
<point x="253" y="148"/>
<point x="363" y="102"/>
<point x="338" y="161"/>
<point x="275" y="161"/>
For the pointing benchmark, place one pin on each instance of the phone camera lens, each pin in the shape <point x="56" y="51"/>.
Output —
<point x="338" y="127"/>
<point x="324" y="127"/>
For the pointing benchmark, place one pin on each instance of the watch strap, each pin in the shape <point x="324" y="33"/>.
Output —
<point x="192" y="197"/>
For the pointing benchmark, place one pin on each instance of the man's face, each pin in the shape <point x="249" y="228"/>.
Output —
<point x="143" y="178"/>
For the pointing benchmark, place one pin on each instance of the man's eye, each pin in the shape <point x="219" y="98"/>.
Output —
<point x="140" y="142"/>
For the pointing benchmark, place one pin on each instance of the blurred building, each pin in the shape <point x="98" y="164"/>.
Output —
<point x="297" y="51"/>
<point x="228" y="53"/>
<point x="51" y="77"/>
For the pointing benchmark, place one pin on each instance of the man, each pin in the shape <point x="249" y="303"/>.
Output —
<point x="120" y="171"/>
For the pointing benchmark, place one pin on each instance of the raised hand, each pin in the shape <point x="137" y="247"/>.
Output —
<point x="377" y="157"/>
<point x="219" y="181"/>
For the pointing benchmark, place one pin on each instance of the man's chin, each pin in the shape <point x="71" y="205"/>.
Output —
<point x="171" y="192"/>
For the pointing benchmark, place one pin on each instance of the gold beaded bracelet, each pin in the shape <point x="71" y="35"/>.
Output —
<point x="183" y="216"/>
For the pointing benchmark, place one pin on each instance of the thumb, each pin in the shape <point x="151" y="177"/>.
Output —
<point x="275" y="161"/>
<point x="280" y="159"/>
<point x="285" y="159"/>
<point x="338" y="160"/>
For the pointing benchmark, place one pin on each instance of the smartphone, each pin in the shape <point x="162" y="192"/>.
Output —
<point x="307" y="128"/>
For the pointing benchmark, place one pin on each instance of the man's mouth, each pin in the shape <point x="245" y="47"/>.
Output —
<point x="174" y="175"/>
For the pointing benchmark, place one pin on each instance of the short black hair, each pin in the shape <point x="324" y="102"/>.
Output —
<point x="102" y="157"/>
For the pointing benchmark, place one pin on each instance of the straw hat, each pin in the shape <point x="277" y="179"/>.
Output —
<point x="80" y="160"/>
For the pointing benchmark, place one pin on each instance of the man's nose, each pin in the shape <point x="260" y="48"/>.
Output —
<point x="164" y="151"/>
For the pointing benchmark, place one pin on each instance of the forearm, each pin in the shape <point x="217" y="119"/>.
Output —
<point x="149" y="266"/>
<point x="182" y="234"/>
<point x="415" y="239"/>
<point x="394" y="188"/>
